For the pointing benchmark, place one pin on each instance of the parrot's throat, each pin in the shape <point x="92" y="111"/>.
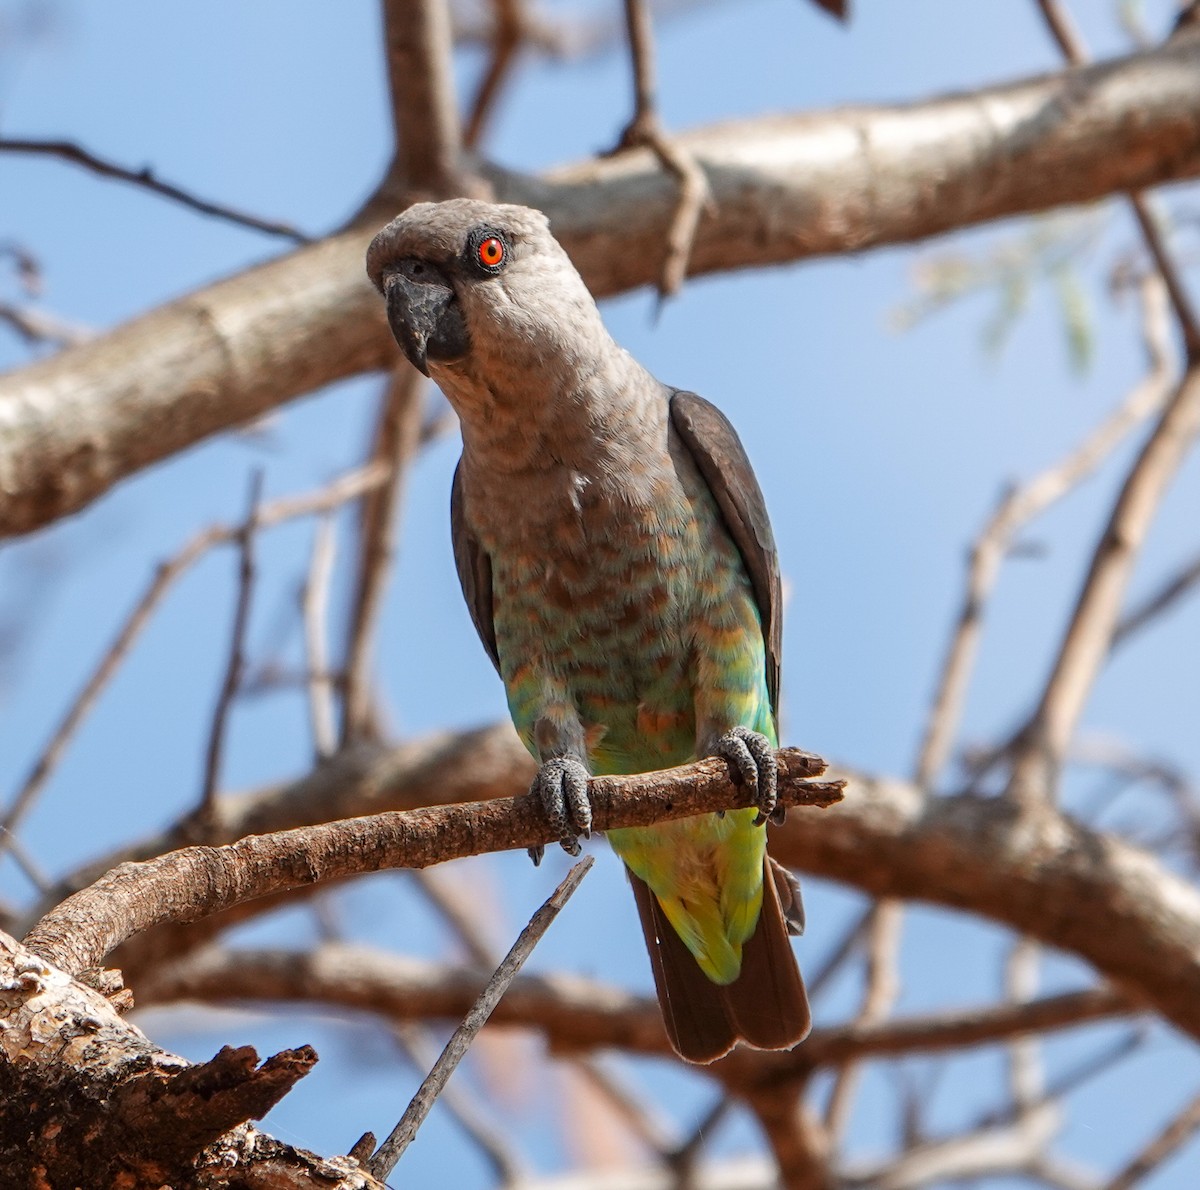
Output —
<point x="591" y="419"/>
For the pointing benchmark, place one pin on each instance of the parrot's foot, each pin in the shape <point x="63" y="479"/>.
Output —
<point x="752" y="758"/>
<point x="561" y="785"/>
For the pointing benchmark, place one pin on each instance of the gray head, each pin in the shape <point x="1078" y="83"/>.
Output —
<point x="482" y="297"/>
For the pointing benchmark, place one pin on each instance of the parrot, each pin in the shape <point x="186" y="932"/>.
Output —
<point x="614" y="551"/>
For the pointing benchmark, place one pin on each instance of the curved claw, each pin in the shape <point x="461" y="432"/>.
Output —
<point x="753" y="761"/>
<point x="561" y="785"/>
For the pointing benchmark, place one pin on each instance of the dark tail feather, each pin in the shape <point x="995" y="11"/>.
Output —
<point x="766" y="1006"/>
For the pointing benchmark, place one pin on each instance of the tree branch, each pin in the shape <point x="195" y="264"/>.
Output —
<point x="1111" y="904"/>
<point x="421" y="81"/>
<point x="787" y="188"/>
<point x="146" y="180"/>
<point x="198" y="881"/>
<point x="397" y="434"/>
<point x="86" y="1099"/>
<point x="1088" y="637"/>
<point x="574" y="1014"/>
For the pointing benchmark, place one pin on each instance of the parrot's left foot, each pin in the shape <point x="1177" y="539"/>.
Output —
<point x="753" y="759"/>
<point x="561" y="785"/>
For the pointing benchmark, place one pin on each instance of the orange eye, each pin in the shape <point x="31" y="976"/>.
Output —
<point x="491" y="252"/>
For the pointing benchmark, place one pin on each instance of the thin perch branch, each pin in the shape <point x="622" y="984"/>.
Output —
<point x="196" y="882"/>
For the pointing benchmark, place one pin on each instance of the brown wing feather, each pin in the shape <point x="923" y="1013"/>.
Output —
<point x="474" y="570"/>
<point x="721" y="459"/>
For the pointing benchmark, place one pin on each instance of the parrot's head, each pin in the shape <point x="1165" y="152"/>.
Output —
<point x="480" y="295"/>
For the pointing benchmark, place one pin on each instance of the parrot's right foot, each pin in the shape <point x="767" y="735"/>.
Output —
<point x="561" y="785"/>
<point x="750" y="755"/>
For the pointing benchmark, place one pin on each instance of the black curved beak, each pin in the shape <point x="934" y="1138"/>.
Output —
<point x="416" y="310"/>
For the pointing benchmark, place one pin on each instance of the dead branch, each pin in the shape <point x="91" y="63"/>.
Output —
<point x="146" y="180"/>
<point x="198" y="881"/>
<point x="1178" y="1131"/>
<point x="1158" y="602"/>
<point x="314" y="601"/>
<point x="1085" y="645"/>
<point x="90" y="1100"/>
<point x="1070" y="42"/>
<point x="236" y="664"/>
<point x="1016" y="509"/>
<point x="786" y="188"/>
<point x="39" y="327"/>
<point x="576" y="1015"/>
<point x="510" y="28"/>
<point x="345" y="488"/>
<point x="397" y="434"/>
<point x="645" y="131"/>
<point x="392" y="1149"/>
<point x="883" y="926"/>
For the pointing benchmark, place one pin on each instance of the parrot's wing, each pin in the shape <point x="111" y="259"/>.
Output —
<point x="474" y="571"/>
<point x="721" y="459"/>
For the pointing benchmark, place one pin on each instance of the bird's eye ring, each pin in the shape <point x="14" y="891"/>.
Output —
<point x="490" y="252"/>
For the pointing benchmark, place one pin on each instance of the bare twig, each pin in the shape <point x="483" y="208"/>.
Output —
<point x="1088" y="638"/>
<point x="314" y="602"/>
<point x="843" y="950"/>
<point x="1025" y="1077"/>
<point x="506" y="1166"/>
<point x="1089" y="632"/>
<point x="346" y="487"/>
<point x="695" y="194"/>
<point x="145" y="178"/>
<point x="1067" y="37"/>
<point x="392" y="1149"/>
<point x="1064" y="31"/>
<point x="507" y="35"/>
<point x="1177" y="1133"/>
<point x="39" y="326"/>
<point x="396" y="436"/>
<point x="1159" y="601"/>
<point x="880" y="990"/>
<point x="1017" y="508"/>
<point x="236" y="664"/>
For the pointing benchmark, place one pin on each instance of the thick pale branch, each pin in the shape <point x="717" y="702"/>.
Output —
<point x="1111" y="904"/>
<point x="786" y="188"/>
<point x="198" y="881"/>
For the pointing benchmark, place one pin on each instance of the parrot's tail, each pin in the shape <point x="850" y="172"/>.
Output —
<point x="766" y="1006"/>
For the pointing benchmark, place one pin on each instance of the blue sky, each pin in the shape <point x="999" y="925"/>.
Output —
<point x="880" y="454"/>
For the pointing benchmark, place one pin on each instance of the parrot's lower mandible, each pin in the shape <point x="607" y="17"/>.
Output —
<point x="616" y="557"/>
